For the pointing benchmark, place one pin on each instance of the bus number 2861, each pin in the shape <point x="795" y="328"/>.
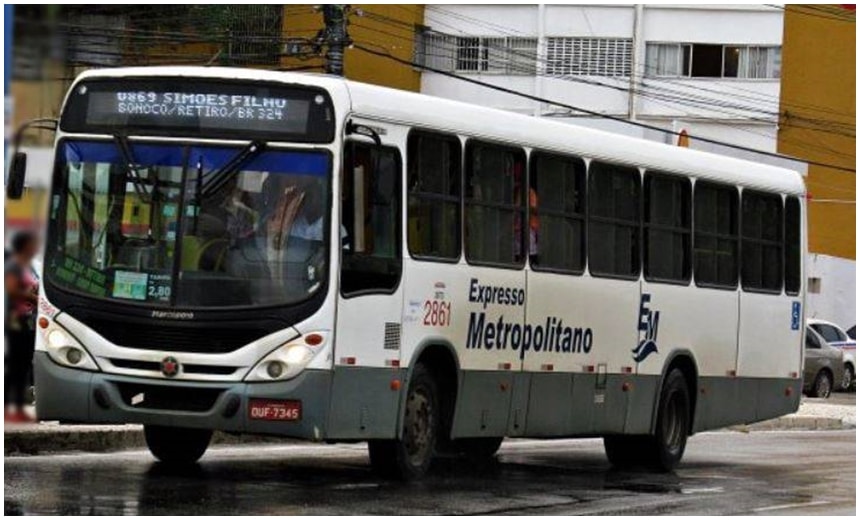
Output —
<point x="437" y="313"/>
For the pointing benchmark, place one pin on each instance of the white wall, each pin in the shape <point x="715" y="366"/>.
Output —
<point x="837" y="301"/>
<point x="741" y="24"/>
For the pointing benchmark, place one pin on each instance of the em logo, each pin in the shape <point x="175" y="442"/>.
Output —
<point x="648" y="323"/>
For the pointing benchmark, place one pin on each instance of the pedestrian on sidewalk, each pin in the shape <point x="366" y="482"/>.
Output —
<point x="22" y="290"/>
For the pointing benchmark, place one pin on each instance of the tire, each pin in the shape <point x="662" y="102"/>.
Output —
<point x="823" y="385"/>
<point x="847" y="378"/>
<point x="410" y="456"/>
<point x="479" y="448"/>
<point x="662" y="450"/>
<point x="179" y="446"/>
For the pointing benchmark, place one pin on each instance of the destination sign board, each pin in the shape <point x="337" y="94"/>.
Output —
<point x="192" y="107"/>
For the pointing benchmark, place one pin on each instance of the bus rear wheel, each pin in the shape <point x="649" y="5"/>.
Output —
<point x="661" y="451"/>
<point x="179" y="446"/>
<point x="409" y="457"/>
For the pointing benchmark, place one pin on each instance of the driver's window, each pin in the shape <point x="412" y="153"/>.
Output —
<point x="370" y="227"/>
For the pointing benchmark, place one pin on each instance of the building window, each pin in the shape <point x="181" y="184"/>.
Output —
<point x="752" y="62"/>
<point x="471" y="55"/>
<point x="371" y="219"/>
<point x="433" y="173"/>
<point x="792" y="245"/>
<point x="715" y="235"/>
<point x="668" y="215"/>
<point x="557" y="213"/>
<point x="589" y="56"/>
<point x="495" y="181"/>
<point x="668" y="59"/>
<point x="712" y="61"/>
<point x="613" y="220"/>
<point x="482" y="54"/>
<point x="761" y="241"/>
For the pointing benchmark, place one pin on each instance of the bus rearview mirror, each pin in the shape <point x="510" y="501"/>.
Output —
<point x="17" y="173"/>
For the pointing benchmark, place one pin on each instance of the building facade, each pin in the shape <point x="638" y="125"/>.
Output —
<point x="817" y="123"/>
<point x="710" y="70"/>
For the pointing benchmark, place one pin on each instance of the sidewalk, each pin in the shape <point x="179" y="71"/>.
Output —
<point x="53" y="437"/>
<point x="814" y="414"/>
<point x="49" y="437"/>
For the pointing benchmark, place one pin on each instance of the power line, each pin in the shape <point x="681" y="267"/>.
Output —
<point x="807" y="10"/>
<point x="592" y="112"/>
<point x="509" y="31"/>
<point x="676" y="98"/>
<point x="823" y="125"/>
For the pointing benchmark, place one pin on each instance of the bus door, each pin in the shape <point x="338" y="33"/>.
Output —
<point x="370" y="296"/>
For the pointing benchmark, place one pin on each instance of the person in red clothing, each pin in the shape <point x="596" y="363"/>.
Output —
<point x="22" y="288"/>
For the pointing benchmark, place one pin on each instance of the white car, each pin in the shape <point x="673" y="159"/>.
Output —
<point x="835" y="336"/>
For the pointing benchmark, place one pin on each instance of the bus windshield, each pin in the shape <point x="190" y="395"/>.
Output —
<point x="152" y="233"/>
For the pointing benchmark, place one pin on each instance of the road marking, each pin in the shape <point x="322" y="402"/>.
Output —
<point x="693" y="491"/>
<point x="792" y="505"/>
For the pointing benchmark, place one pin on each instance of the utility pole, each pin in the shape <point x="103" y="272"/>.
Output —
<point x="335" y="36"/>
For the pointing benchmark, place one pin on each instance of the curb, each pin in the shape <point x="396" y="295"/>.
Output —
<point x="100" y="439"/>
<point x="796" y="422"/>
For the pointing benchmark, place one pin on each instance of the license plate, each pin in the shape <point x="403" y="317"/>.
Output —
<point x="275" y="410"/>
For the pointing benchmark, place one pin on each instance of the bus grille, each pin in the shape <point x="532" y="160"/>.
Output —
<point x="206" y="339"/>
<point x="157" y="397"/>
<point x="155" y="366"/>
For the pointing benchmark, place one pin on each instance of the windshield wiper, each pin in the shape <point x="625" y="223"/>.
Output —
<point x="131" y="170"/>
<point x="219" y="177"/>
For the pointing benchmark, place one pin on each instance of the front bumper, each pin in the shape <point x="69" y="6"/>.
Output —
<point x="71" y="395"/>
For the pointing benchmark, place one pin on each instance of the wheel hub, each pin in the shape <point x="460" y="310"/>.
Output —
<point x="418" y="427"/>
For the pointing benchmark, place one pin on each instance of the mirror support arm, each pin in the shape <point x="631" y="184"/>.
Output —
<point x="43" y="123"/>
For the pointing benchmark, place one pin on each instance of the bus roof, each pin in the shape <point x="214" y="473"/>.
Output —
<point x="441" y="114"/>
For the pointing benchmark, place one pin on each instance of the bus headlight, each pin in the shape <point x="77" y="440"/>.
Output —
<point x="65" y="350"/>
<point x="285" y="362"/>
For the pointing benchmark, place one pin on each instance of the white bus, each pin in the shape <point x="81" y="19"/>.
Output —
<point x="304" y="256"/>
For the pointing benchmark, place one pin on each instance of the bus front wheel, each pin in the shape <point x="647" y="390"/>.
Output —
<point x="409" y="457"/>
<point x="663" y="449"/>
<point x="173" y="445"/>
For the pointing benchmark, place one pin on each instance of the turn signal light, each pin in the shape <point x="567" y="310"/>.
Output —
<point x="43" y="322"/>
<point x="313" y="339"/>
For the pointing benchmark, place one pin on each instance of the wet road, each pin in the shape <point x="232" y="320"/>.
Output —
<point x="723" y="473"/>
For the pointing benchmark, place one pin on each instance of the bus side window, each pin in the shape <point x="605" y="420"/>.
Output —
<point x="715" y="235"/>
<point x="792" y="245"/>
<point x="668" y="215"/>
<point x="761" y="241"/>
<point x="614" y="194"/>
<point x="557" y="213"/>
<point x="495" y="202"/>
<point x="433" y="164"/>
<point x="370" y="227"/>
